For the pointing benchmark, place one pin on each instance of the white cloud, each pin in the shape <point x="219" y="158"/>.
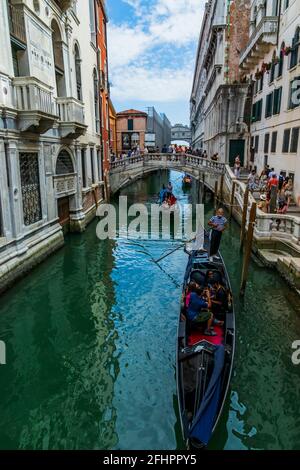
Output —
<point x="167" y="27"/>
<point x="138" y="83"/>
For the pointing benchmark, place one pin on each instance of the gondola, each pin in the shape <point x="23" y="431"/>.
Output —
<point x="204" y="363"/>
<point x="187" y="181"/>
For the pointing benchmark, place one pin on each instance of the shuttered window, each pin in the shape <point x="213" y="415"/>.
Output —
<point x="277" y="100"/>
<point x="269" y="105"/>
<point x="286" y="141"/>
<point x="294" y="140"/>
<point x="267" y="143"/>
<point x="274" y="142"/>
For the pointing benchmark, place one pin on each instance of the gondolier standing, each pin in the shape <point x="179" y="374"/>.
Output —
<point x="218" y="224"/>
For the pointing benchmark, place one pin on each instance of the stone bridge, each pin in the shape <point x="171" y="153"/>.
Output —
<point x="125" y="171"/>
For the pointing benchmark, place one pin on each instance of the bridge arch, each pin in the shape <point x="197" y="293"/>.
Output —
<point x="124" y="172"/>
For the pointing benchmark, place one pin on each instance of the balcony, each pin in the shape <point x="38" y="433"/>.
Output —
<point x="264" y="36"/>
<point x="17" y="23"/>
<point x="71" y="118"/>
<point x="64" y="5"/>
<point x="64" y="185"/>
<point x="35" y="105"/>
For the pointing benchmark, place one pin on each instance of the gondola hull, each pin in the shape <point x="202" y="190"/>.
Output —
<point x="204" y="363"/>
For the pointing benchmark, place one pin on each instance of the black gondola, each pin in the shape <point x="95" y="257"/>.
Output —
<point x="204" y="363"/>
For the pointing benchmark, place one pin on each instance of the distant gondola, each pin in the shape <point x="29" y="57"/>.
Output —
<point x="204" y="363"/>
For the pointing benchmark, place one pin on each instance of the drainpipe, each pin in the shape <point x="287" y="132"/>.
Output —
<point x="279" y="16"/>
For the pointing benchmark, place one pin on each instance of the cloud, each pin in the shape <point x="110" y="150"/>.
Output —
<point x="152" y="54"/>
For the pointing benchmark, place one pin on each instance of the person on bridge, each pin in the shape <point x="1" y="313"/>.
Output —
<point x="164" y="149"/>
<point x="218" y="224"/>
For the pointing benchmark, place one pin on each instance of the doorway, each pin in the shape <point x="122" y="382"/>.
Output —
<point x="63" y="207"/>
<point x="236" y="147"/>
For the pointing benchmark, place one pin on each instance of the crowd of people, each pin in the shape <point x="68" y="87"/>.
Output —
<point x="275" y="191"/>
<point x="206" y="301"/>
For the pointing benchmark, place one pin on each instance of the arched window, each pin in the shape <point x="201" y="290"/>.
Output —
<point x="78" y="72"/>
<point x="58" y="59"/>
<point x="281" y="60"/>
<point x="96" y="100"/>
<point x="64" y="164"/>
<point x="295" y="48"/>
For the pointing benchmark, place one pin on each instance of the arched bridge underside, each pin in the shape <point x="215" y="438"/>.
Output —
<point x="124" y="172"/>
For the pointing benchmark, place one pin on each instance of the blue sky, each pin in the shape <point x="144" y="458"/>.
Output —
<point x="152" y="48"/>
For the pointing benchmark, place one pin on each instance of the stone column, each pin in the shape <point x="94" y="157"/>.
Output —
<point x="77" y="222"/>
<point x="4" y="195"/>
<point x="51" y="202"/>
<point x="15" y="192"/>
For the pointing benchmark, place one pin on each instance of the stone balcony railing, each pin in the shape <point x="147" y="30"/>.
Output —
<point x="71" y="117"/>
<point x="64" y="4"/>
<point x="65" y="185"/>
<point x="265" y="33"/>
<point x="35" y="104"/>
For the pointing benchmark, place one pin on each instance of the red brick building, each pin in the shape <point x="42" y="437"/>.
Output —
<point x="131" y="130"/>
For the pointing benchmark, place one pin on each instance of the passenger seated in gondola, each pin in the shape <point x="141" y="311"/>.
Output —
<point x="198" y="313"/>
<point x="219" y="300"/>
<point x="211" y="278"/>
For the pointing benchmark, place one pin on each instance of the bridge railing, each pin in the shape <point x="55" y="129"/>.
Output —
<point x="181" y="160"/>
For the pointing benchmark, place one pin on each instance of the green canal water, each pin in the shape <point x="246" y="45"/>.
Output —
<point x="90" y="338"/>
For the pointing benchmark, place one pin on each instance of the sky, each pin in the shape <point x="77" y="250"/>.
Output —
<point x="152" y="51"/>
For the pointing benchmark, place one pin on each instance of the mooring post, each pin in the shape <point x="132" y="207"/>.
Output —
<point x="248" y="248"/>
<point x="221" y="188"/>
<point x="244" y="218"/>
<point x="232" y="199"/>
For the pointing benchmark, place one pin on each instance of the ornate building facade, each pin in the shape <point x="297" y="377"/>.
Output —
<point x="50" y="133"/>
<point x="219" y="111"/>
<point x="271" y="61"/>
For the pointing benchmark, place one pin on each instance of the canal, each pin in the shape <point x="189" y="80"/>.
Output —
<point x="90" y="338"/>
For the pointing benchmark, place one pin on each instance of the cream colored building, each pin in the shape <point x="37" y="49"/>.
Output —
<point x="219" y="99"/>
<point x="50" y="159"/>
<point x="272" y="60"/>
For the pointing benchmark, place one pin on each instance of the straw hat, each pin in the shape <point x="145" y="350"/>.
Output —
<point x="263" y="197"/>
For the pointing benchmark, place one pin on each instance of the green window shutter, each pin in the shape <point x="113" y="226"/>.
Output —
<point x="274" y="142"/>
<point x="294" y="140"/>
<point x="286" y="141"/>
<point x="277" y="100"/>
<point x="267" y="143"/>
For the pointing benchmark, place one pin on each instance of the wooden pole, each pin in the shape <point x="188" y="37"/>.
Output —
<point x="248" y="249"/>
<point x="221" y="188"/>
<point x="216" y="194"/>
<point x="232" y="199"/>
<point x="244" y="218"/>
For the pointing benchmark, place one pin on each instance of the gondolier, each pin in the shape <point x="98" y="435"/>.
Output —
<point x="218" y="224"/>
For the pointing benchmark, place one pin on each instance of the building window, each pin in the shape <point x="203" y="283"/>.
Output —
<point x="256" y="111"/>
<point x="267" y="143"/>
<point x="286" y="141"/>
<point x="130" y="125"/>
<point x="99" y="164"/>
<point x="294" y="140"/>
<point x="277" y="100"/>
<point x="294" y="100"/>
<point x="30" y="186"/>
<point x="78" y="73"/>
<point x="256" y="145"/>
<point x="274" y="142"/>
<point x="64" y="164"/>
<point x="281" y="61"/>
<point x="286" y="4"/>
<point x="295" y="49"/>
<point x="92" y="165"/>
<point x="83" y="168"/>
<point x="58" y="59"/>
<point x="96" y="101"/>
<point x="269" y="105"/>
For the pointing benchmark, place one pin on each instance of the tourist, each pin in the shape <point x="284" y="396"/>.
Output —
<point x="146" y="151"/>
<point x="170" y="187"/>
<point x="204" y="155"/>
<point x="237" y="166"/>
<point x="252" y="185"/>
<point x="280" y="181"/>
<point x="170" y="149"/>
<point x="263" y="204"/>
<point x="162" y="194"/>
<point x="218" y="224"/>
<point x="198" y="313"/>
<point x="288" y="190"/>
<point x="219" y="300"/>
<point x="164" y="149"/>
